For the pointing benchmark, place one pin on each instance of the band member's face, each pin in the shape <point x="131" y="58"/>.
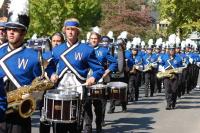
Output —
<point x="149" y="51"/>
<point x="15" y="36"/>
<point x="172" y="52"/>
<point x="178" y="50"/>
<point x="56" y="40"/>
<point x="2" y="33"/>
<point x="134" y="52"/>
<point x="71" y="34"/>
<point x="94" y="40"/>
<point x="187" y="49"/>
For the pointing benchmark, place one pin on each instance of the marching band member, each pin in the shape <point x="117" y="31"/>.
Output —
<point x="149" y="62"/>
<point x="2" y="30"/>
<point x="121" y="74"/>
<point x="134" y="62"/>
<point x="171" y="61"/>
<point x="56" y="39"/>
<point x="158" y="47"/>
<point x="77" y="58"/>
<point x="19" y="65"/>
<point x="110" y="65"/>
<point x="3" y="106"/>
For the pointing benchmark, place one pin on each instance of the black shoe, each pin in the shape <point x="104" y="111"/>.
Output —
<point x="173" y="106"/>
<point x="110" y="112"/>
<point x="103" y="124"/>
<point x="124" y="110"/>
<point x="168" y="107"/>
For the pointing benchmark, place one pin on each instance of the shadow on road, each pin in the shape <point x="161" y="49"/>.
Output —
<point x="143" y="110"/>
<point x="129" y="125"/>
<point x="187" y="107"/>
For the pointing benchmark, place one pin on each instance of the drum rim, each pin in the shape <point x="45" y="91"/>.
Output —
<point x="98" y="86"/>
<point x="117" y="85"/>
<point x="50" y="95"/>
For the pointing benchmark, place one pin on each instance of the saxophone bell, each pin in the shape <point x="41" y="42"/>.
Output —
<point x="25" y="107"/>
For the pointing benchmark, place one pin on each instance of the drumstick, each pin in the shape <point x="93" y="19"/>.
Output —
<point x="74" y="86"/>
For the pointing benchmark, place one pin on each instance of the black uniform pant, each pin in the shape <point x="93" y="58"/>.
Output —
<point x="15" y="124"/>
<point x="149" y="83"/>
<point x="171" y="86"/>
<point x="104" y="103"/>
<point x="133" y="86"/>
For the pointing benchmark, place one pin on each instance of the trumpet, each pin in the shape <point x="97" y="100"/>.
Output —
<point x="21" y="101"/>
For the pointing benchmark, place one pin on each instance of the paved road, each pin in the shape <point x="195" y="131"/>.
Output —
<point x="148" y="115"/>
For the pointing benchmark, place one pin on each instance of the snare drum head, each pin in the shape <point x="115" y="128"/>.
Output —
<point x="61" y="94"/>
<point x="98" y="86"/>
<point x="117" y="85"/>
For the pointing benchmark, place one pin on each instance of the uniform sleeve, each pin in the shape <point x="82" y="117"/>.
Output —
<point x="112" y="62"/>
<point x="3" y="101"/>
<point x="51" y="68"/>
<point x="95" y="65"/>
<point x="37" y="67"/>
<point x="130" y="60"/>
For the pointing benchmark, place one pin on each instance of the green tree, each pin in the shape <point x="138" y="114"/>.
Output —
<point x="128" y="15"/>
<point x="47" y="16"/>
<point x="184" y="15"/>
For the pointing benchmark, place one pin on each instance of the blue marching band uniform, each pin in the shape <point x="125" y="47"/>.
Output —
<point x="20" y="66"/>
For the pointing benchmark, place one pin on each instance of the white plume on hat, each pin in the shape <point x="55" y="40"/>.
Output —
<point x="172" y="39"/>
<point x="142" y="44"/>
<point x="128" y="45"/>
<point x="183" y="44"/>
<point x="138" y="40"/>
<point x="1" y="3"/>
<point x="88" y="36"/>
<point x="110" y="34"/>
<point x="194" y="45"/>
<point x="19" y="7"/>
<point x="123" y="35"/>
<point x="178" y="40"/>
<point x="134" y="42"/>
<point x="150" y="42"/>
<point x="34" y="36"/>
<point x="97" y="30"/>
<point x="188" y="42"/>
<point x="167" y="44"/>
<point x="163" y="45"/>
<point x="158" y="42"/>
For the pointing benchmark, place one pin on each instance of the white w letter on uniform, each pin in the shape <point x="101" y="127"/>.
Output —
<point x="78" y="56"/>
<point x="22" y="62"/>
<point x="99" y="53"/>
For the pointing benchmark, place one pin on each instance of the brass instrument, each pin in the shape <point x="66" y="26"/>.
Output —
<point x="21" y="100"/>
<point x="148" y="68"/>
<point x="169" y="73"/>
<point x="134" y="69"/>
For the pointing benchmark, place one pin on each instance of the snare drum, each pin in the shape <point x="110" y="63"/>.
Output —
<point x="61" y="106"/>
<point x="118" y="91"/>
<point x="98" y="91"/>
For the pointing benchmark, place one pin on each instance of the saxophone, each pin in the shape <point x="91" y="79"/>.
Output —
<point x="148" y="67"/>
<point x="169" y="73"/>
<point x="21" y="101"/>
